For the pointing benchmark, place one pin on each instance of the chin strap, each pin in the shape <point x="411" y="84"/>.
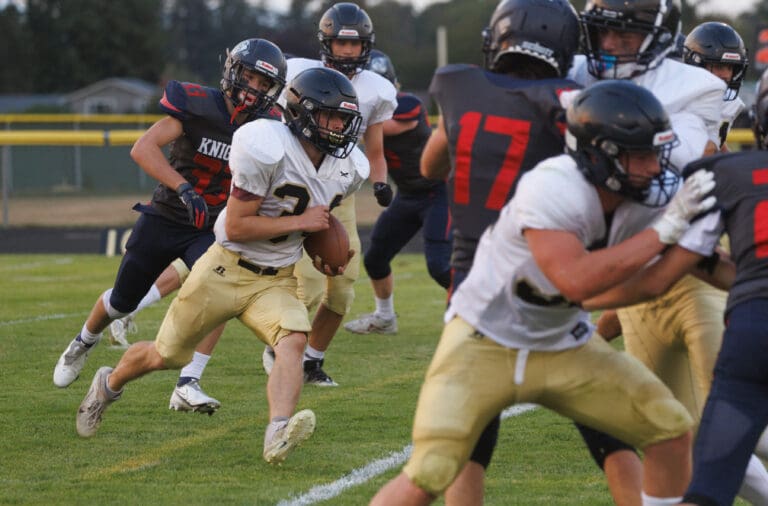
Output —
<point x="238" y="110"/>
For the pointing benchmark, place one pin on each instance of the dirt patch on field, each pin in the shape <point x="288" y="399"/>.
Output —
<point x="116" y="211"/>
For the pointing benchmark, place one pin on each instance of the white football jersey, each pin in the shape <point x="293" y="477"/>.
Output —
<point x="731" y="110"/>
<point x="267" y="160"/>
<point x="505" y="296"/>
<point x="376" y="97"/>
<point x="692" y="97"/>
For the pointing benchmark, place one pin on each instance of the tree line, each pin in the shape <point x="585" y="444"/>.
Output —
<point x="57" y="46"/>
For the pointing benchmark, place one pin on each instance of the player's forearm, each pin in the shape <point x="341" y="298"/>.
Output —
<point x="152" y="160"/>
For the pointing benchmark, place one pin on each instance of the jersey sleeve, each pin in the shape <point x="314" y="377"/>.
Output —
<point x="409" y="107"/>
<point x="257" y="151"/>
<point x="175" y="101"/>
<point x="386" y="103"/>
<point x="548" y="199"/>
<point x="703" y="234"/>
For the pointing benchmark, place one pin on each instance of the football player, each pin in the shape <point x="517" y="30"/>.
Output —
<point x="677" y="335"/>
<point x="346" y="36"/>
<point x="517" y="315"/>
<point x="194" y="186"/>
<point x="735" y="411"/>
<point x="485" y="141"/>
<point x="419" y="203"/>
<point x="718" y="48"/>
<point x="285" y="180"/>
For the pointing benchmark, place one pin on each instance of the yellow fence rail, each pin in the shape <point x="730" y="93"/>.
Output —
<point x="69" y="137"/>
<point x="80" y="118"/>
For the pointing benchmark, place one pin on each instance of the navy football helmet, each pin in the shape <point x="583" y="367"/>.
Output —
<point x="260" y="56"/>
<point x="718" y="43"/>
<point x="345" y="21"/>
<point x="657" y="20"/>
<point x="323" y="89"/>
<point x="382" y="65"/>
<point x="547" y="30"/>
<point x="616" y="116"/>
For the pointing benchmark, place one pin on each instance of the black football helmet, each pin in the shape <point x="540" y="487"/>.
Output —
<point x="658" y="20"/>
<point x="345" y="21"/>
<point x="323" y="89"/>
<point x="544" y="29"/>
<point x="615" y="116"/>
<point x="759" y="113"/>
<point x="257" y="55"/>
<point x="382" y="65"/>
<point x="715" y="42"/>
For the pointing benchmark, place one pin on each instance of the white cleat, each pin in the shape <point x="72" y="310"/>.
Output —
<point x="119" y="330"/>
<point x="71" y="362"/>
<point x="298" y="429"/>
<point x="96" y="401"/>
<point x="191" y="397"/>
<point x="268" y="359"/>
<point x="371" y="323"/>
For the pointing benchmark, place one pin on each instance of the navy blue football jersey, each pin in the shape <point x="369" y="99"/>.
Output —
<point x="742" y="196"/>
<point x="403" y="151"/>
<point x="498" y="128"/>
<point x="201" y="154"/>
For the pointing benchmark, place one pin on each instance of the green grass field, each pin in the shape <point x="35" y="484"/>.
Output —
<point x="146" y="454"/>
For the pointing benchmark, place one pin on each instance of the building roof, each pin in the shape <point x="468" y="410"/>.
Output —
<point x="131" y="85"/>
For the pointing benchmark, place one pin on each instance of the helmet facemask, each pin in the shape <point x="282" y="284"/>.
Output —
<point x="306" y="119"/>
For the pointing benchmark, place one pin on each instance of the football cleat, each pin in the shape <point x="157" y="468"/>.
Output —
<point x="119" y="330"/>
<point x="71" y="362"/>
<point x="268" y="359"/>
<point x="314" y="374"/>
<point x="371" y="323"/>
<point x="191" y="397"/>
<point x="298" y="429"/>
<point x="96" y="401"/>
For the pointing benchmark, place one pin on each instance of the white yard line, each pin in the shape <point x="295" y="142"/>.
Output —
<point x="41" y="318"/>
<point x="366" y="473"/>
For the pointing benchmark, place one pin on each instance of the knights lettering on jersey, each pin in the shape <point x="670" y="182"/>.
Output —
<point x="498" y="128"/>
<point x="214" y="148"/>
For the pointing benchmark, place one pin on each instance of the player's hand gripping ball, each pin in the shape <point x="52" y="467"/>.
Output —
<point x="329" y="248"/>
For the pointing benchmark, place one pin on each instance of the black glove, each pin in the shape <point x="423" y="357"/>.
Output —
<point x="383" y="193"/>
<point x="197" y="209"/>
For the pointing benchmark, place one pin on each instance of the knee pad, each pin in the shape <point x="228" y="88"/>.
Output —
<point x="375" y="266"/>
<point x="111" y="311"/>
<point x="339" y="295"/>
<point x="181" y="269"/>
<point x="433" y="473"/>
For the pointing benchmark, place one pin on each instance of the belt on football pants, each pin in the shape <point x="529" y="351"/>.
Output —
<point x="262" y="271"/>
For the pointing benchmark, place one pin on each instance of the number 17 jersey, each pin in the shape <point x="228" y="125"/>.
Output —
<point x="498" y="128"/>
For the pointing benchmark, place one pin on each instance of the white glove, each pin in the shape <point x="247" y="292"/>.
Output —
<point x="686" y="204"/>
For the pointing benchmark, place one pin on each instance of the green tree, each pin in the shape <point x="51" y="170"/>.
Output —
<point x="14" y="51"/>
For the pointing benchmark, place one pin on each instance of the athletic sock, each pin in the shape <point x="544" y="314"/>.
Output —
<point x="312" y="354"/>
<point x="194" y="369"/>
<point x="152" y="296"/>
<point x="385" y="308"/>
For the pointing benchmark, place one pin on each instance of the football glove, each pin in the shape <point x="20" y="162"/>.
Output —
<point x="688" y="203"/>
<point x="383" y="193"/>
<point x="197" y="209"/>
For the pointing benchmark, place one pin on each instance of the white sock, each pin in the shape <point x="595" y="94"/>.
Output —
<point x="762" y="446"/>
<point x="275" y="424"/>
<point x="754" y="488"/>
<point x="195" y="368"/>
<point x="87" y="337"/>
<point x="313" y="354"/>
<point x="152" y="296"/>
<point x="649" y="500"/>
<point x="385" y="308"/>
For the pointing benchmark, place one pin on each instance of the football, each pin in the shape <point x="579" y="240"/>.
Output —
<point x="331" y="244"/>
